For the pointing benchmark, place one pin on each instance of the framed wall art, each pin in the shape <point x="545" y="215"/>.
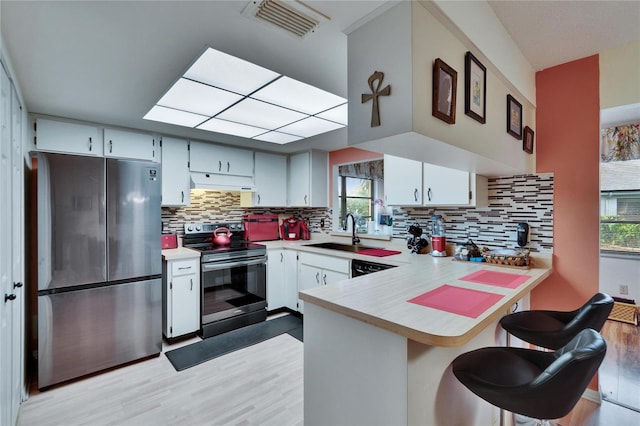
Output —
<point x="475" y="88"/>
<point x="527" y="140"/>
<point x="514" y="117"/>
<point x="444" y="92"/>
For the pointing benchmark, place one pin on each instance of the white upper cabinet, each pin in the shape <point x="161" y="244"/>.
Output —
<point x="225" y="160"/>
<point x="308" y="179"/>
<point x="130" y="145"/>
<point x="69" y="138"/>
<point x="402" y="181"/>
<point x="444" y="186"/>
<point x="270" y="179"/>
<point x="175" y="172"/>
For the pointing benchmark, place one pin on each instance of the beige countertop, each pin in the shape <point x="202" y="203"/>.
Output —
<point x="179" y="253"/>
<point x="380" y="299"/>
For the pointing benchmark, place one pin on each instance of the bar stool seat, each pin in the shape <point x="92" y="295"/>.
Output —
<point x="537" y="384"/>
<point x="554" y="329"/>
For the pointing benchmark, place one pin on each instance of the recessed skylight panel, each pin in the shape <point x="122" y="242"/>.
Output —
<point x="174" y="116"/>
<point x="298" y="96"/>
<point x="228" y="72"/>
<point x="231" y="128"/>
<point x="338" y="114"/>
<point x="187" y="95"/>
<point x="310" y="127"/>
<point x="278" y="137"/>
<point x="260" y="114"/>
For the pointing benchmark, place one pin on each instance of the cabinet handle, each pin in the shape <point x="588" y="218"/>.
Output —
<point x="219" y="166"/>
<point x="182" y="192"/>
<point x="110" y="146"/>
<point x="258" y="198"/>
<point x="305" y="199"/>
<point x="183" y="268"/>
<point x="324" y="279"/>
<point x="429" y="194"/>
<point x="281" y="257"/>
<point x="415" y="194"/>
<point x="17" y="285"/>
<point x="90" y="144"/>
<point x="9" y="297"/>
<point x="191" y="284"/>
<point x="228" y="167"/>
<point x="318" y="277"/>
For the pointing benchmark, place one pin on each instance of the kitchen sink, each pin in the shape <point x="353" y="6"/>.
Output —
<point x="342" y="247"/>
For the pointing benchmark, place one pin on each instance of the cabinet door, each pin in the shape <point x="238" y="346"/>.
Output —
<point x="308" y="277"/>
<point x="185" y="295"/>
<point x="276" y="284"/>
<point x="60" y="136"/>
<point x="210" y="158"/>
<point x="175" y="172"/>
<point x="445" y="186"/>
<point x="299" y="179"/>
<point x="271" y="180"/>
<point x="402" y="181"/>
<point x="291" y="279"/>
<point x="329" y="277"/>
<point x="136" y="146"/>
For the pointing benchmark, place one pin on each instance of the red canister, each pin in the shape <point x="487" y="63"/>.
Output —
<point x="439" y="243"/>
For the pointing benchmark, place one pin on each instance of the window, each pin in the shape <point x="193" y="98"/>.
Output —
<point x="356" y="197"/>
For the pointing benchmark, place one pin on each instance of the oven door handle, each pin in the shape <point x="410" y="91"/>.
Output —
<point x="217" y="266"/>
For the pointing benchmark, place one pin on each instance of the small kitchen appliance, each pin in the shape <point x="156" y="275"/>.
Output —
<point x="438" y="240"/>
<point x="169" y="241"/>
<point x="260" y="227"/>
<point x="522" y="234"/>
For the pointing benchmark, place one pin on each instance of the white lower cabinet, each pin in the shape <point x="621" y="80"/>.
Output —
<point x="282" y="279"/>
<point x="315" y="270"/>
<point x="181" y="289"/>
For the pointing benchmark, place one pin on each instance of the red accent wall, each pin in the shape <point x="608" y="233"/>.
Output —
<point x="568" y="144"/>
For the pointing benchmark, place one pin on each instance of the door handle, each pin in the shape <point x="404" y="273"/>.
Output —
<point x="281" y="257"/>
<point x="90" y="144"/>
<point x="228" y="167"/>
<point x="429" y="194"/>
<point x="258" y="198"/>
<point x="9" y="297"/>
<point x="110" y="146"/>
<point x="324" y="279"/>
<point x="17" y="285"/>
<point x="318" y="277"/>
<point x="182" y="192"/>
<point x="305" y="199"/>
<point x="415" y="194"/>
<point x="219" y="165"/>
<point x="191" y="284"/>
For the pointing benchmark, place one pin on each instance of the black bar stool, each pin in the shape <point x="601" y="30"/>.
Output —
<point x="536" y="384"/>
<point x="554" y="329"/>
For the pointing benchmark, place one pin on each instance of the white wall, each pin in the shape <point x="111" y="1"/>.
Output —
<point x="617" y="271"/>
<point x="618" y="65"/>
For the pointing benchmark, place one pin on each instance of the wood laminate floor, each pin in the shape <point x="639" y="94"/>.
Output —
<point x="258" y="385"/>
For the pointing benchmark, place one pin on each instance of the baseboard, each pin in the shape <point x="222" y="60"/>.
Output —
<point x="593" y="396"/>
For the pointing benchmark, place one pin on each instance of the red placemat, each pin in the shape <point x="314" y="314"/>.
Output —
<point x="378" y="252"/>
<point x="500" y="279"/>
<point x="457" y="300"/>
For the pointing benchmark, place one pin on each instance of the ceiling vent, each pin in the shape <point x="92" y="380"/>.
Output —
<point x="294" y="16"/>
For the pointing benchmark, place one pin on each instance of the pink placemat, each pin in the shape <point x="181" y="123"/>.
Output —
<point x="378" y="252"/>
<point x="500" y="279"/>
<point x="457" y="300"/>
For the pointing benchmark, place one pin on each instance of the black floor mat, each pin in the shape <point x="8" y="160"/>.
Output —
<point x="213" y="347"/>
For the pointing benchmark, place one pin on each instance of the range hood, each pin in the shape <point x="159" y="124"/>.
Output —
<point x="220" y="182"/>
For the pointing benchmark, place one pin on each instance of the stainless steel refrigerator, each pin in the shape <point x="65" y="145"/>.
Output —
<point x="99" y="264"/>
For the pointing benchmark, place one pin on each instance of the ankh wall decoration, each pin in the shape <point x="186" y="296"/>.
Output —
<point x="375" y="81"/>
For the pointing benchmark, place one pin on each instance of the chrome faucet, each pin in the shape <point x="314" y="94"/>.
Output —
<point x="354" y="239"/>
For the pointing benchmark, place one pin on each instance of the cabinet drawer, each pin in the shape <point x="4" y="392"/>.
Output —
<point x="185" y="267"/>
<point x="331" y="263"/>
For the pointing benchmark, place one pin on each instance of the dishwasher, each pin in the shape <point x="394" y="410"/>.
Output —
<point x="362" y="267"/>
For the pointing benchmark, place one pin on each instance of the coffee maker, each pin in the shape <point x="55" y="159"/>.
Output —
<point x="522" y="234"/>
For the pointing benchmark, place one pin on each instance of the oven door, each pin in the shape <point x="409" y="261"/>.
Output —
<point x="233" y="288"/>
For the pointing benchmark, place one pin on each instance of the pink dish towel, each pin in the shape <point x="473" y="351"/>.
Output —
<point x="457" y="300"/>
<point x="500" y="279"/>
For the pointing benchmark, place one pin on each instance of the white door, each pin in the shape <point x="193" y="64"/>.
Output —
<point x="445" y="186"/>
<point x="184" y="304"/>
<point x="271" y="180"/>
<point x="299" y="179"/>
<point x="175" y="172"/>
<point x="402" y="181"/>
<point x="276" y="286"/>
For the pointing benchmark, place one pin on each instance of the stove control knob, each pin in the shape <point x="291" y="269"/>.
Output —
<point x="198" y="228"/>
<point x="232" y="226"/>
<point x="190" y="228"/>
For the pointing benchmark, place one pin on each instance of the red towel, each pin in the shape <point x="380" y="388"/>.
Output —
<point x="378" y="252"/>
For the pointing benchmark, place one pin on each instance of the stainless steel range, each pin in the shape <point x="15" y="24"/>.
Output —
<point x="233" y="276"/>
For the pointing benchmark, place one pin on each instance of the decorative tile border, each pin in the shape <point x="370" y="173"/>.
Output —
<point x="512" y="199"/>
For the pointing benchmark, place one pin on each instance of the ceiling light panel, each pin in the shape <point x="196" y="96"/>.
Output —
<point x="231" y="128"/>
<point x="278" y="137"/>
<point x="310" y="127"/>
<point x="228" y="72"/>
<point x="260" y="114"/>
<point x="338" y="114"/>
<point x="198" y="98"/>
<point x="174" y="116"/>
<point x="298" y="96"/>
